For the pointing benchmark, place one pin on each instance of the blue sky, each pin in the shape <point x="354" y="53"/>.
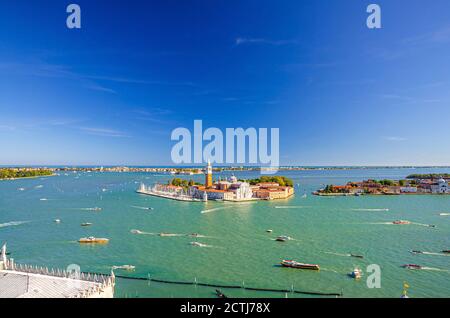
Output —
<point x="112" y="92"/>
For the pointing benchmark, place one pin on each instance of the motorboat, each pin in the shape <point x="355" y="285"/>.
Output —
<point x="125" y="267"/>
<point x="294" y="264"/>
<point x="57" y="221"/>
<point x="282" y="238"/>
<point x="86" y="224"/>
<point x="356" y="256"/>
<point x="412" y="266"/>
<point x="220" y="294"/>
<point x="416" y="252"/>
<point x="446" y="251"/>
<point x="136" y="232"/>
<point x="356" y="273"/>
<point x="93" y="240"/>
<point x="269" y="231"/>
<point x="401" y="222"/>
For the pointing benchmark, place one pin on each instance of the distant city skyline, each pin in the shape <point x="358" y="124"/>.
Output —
<point x="112" y="92"/>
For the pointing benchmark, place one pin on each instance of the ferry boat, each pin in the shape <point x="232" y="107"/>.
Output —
<point x="294" y="264"/>
<point x="412" y="266"/>
<point x="401" y="222"/>
<point x="282" y="238"/>
<point x="93" y="240"/>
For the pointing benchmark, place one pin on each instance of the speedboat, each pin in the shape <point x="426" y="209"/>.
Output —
<point x="416" y="252"/>
<point x="198" y="244"/>
<point x="356" y="274"/>
<point x="93" y="240"/>
<point x="125" y="267"/>
<point x="282" y="238"/>
<point x="412" y="266"/>
<point x="86" y="224"/>
<point x="269" y="231"/>
<point x="294" y="264"/>
<point x="356" y="255"/>
<point x="446" y="251"/>
<point x="57" y="221"/>
<point x="401" y="222"/>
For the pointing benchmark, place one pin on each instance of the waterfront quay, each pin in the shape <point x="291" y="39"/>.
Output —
<point x="412" y="185"/>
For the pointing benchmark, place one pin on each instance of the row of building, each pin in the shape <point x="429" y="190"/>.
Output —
<point x="422" y="186"/>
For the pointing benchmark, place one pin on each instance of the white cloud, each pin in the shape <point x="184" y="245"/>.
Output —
<point x="103" y="132"/>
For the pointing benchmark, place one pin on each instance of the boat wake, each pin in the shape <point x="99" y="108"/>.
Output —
<point x="421" y="224"/>
<point x="90" y="209"/>
<point x="424" y="268"/>
<point x="371" y="210"/>
<point x="216" y="209"/>
<point x="436" y="254"/>
<point x="197" y="244"/>
<point x="138" y="232"/>
<point x="339" y="254"/>
<point x="14" y="223"/>
<point x="291" y="207"/>
<point x="380" y="223"/>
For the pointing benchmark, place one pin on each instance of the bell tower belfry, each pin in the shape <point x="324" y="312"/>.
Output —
<point x="208" y="176"/>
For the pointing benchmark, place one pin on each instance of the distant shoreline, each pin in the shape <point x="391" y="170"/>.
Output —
<point x="21" y="178"/>
<point x="132" y="168"/>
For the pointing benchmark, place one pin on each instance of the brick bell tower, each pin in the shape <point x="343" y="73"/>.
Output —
<point x="208" y="176"/>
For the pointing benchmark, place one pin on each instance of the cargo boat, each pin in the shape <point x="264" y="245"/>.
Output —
<point x="294" y="264"/>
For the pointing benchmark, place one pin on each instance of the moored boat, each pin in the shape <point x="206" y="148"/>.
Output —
<point x="294" y="264"/>
<point x="93" y="240"/>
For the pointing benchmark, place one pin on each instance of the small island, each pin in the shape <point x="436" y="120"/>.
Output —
<point x="21" y="173"/>
<point x="413" y="184"/>
<point x="232" y="189"/>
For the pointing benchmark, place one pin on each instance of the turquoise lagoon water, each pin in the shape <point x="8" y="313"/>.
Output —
<point x="238" y="251"/>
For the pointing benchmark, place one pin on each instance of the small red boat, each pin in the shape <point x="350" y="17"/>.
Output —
<point x="294" y="264"/>
<point x="401" y="222"/>
<point x="412" y="266"/>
